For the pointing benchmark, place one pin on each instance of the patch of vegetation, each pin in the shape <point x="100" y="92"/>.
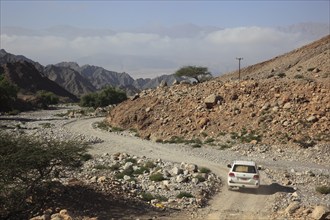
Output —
<point x="132" y="160"/>
<point x="141" y="170"/>
<point x="102" y="125"/>
<point x="8" y="93"/>
<point x="305" y="142"/>
<point x="198" y="73"/>
<point x="245" y="136"/>
<point x="149" y="164"/>
<point x="157" y="177"/>
<point x="27" y="167"/>
<point x="184" y="194"/>
<point x="46" y="98"/>
<point x="196" y="146"/>
<point x="134" y="130"/>
<point x="86" y="157"/>
<point x="298" y="76"/>
<point x="127" y="172"/>
<point x="46" y="125"/>
<point x="117" y="129"/>
<point x="323" y="189"/>
<point x="101" y="167"/>
<point x="115" y="167"/>
<point x="200" y="178"/>
<point x="108" y="96"/>
<point x="209" y="140"/>
<point x="224" y="146"/>
<point x="204" y="134"/>
<point x="310" y="69"/>
<point x="204" y="170"/>
<point x="281" y="75"/>
<point x="146" y="196"/>
<point x="222" y="133"/>
<point x="159" y="141"/>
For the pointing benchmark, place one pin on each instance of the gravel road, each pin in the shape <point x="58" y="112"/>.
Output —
<point x="226" y="205"/>
<point x="243" y="204"/>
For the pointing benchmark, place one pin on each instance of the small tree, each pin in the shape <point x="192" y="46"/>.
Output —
<point x="8" y="94"/>
<point x="196" y="72"/>
<point x="47" y="98"/>
<point x="27" y="165"/>
<point x="107" y="96"/>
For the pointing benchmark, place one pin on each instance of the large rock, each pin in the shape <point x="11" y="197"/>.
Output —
<point x="212" y="100"/>
<point x="293" y="206"/>
<point x="320" y="212"/>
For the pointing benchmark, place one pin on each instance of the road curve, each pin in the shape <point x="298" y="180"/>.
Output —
<point x="225" y="205"/>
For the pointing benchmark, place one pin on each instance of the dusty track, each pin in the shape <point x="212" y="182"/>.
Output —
<point x="225" y="205"/>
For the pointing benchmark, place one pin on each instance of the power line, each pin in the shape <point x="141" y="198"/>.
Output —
<point x="239" y="67"/>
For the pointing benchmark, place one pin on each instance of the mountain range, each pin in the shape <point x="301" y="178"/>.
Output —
<point x="75" y="79"/>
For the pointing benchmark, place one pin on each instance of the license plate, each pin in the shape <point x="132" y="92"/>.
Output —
<point x="244" y="178"/>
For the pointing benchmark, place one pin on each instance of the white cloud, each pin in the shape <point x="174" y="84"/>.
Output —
<point x="216" y="49"/>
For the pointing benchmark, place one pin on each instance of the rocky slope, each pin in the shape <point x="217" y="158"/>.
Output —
<point x="285" y="99"/>
<point x="30" y="80"/>
<point x="70" y="79"/>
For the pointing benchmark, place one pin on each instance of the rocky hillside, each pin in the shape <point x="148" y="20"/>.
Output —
<point x="282" y="100"/>
<point x="70" y="79"/>
<point x="30" y="80"/>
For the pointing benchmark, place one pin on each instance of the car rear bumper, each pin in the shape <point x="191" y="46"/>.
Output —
<point x="244" y="185"/>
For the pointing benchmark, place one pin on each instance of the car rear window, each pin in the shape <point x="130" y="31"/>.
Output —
<point x="244" y="169"/>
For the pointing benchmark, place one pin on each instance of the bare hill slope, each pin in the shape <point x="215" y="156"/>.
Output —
<point x="283" y="100"/>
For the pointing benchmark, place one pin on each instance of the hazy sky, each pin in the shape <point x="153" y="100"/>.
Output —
<point x="152" y="36"/>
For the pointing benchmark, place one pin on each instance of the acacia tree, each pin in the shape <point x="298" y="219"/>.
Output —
<point x="196" y="72"/>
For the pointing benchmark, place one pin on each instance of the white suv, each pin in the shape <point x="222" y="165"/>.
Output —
<point x="243" y="174"/>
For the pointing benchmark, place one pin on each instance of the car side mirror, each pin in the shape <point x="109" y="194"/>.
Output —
<point x="229" y="165"/>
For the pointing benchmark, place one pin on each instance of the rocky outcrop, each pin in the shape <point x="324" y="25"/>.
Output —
<point x="279" y="109"/>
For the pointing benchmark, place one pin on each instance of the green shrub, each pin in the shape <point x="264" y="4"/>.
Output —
<point x="149" y="164"/>
<point x="204" y="170"/>
<point x="298" y="76"/>
<point x="141" y="170"/>
<point x="132" y="160"/>
<point x="8" y="93"/>
<point x="157" y="177"/>
<point x="224" y="146"/>
<point x="109" y="95"/>
<point x="115" y="167"/>
<point x="27" y="167"/>
<point x="281" y="75"/>
<point x="209" y="140"/>
<point x="47" y="98"/>
<point x="102" y="125"/>
<point x="117" y="129"/>
<point x="46" y="125"/>
<point x="101" y="167"/>
<point x="196" y="146"/>
<point x="323" y="189"/>
<point x="184" y="194"/>
<point x="161" y="198"/>
<point x="147" y="196"/>
<point x="200" y="178"/>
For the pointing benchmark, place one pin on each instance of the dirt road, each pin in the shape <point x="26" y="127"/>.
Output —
<point x="225" y="205"/>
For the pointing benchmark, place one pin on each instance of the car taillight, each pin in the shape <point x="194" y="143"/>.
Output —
<point x="256" y="177"/>
<point x="231" y="174"/>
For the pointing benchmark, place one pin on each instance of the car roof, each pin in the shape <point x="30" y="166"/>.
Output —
<point x="244" y="162"/>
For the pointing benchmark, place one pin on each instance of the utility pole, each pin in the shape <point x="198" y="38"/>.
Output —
<point x="239" y="67"/>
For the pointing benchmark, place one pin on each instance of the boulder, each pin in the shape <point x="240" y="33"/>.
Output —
<point x="293" y="206"/>
<point x="320" y="212"/>
<point x="212" y="100"/>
